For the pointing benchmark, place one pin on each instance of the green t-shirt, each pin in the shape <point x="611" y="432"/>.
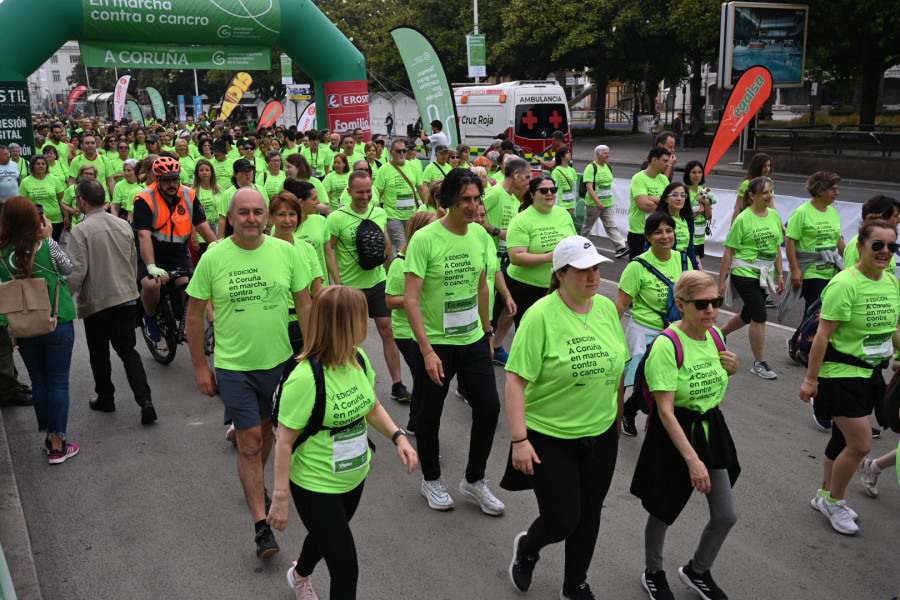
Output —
<point x="314" y="231"/>
<point x="537" y="233"/>
<point x="251" y="292"/>
<point x="346" y="198"/>
<point x="212" y="206"/>
<point x="318" y="160"/>
<point x="699" y="219"/>
<point x="450" y="266"/>
<point x="335" y="184"/>
<point x="271" y="184"/>
<point x="115" y="164"/>
<point x="138" y="152"/>
<point x="573" y="364"/>
<point x="398" y="197"/>
<point x="868" y="311"/>
<point x="224" y="170"/>
<point x="99" y="163"/>
<point x="343" y="224"/>
<point x="435" y="171"/>
<point x="499" y="208"/>
<point x="124" y="194"/>
<point x="602" y="178"/>
<point x="307" y="257"/>
<point x="566" y="179"/>
<point x="682" y="234"/>
<point x="395" y="286"/>
<point x="426" y="208"/>
<point x="62" y="149"/>
<point x="648" y="292"/>
<point x="755" y="237"/>
<point x="60" y="171"/>
<point x="814" y="231"/>
<point x="642" y="185"/>
<point x="851" y="256"/>
<point x="46" y="193"/>
<point x="188" y="163"/>
<point x="326" y="463"/>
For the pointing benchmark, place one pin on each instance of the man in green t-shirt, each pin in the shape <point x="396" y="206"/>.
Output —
<point x="401" y="190"/>
<point x="253" y="281"/>
<point x="344" y="268"/>
<point x="350" y="149"/>
<point x="317" y="155"/>
<point x="56" y="140"/>
<point x="646" y="188"/>
<point x="440" y="167"/>
<point x="90" y="156"/>
<point x="599" y="202"/>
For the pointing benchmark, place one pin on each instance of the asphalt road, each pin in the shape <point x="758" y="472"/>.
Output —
<point x="158" y="512"/>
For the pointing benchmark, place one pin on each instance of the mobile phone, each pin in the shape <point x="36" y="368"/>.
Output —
<point x="40" y="209"/>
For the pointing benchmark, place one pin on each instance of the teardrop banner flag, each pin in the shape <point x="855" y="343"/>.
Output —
<point x="271" y="113"/>
<point x="119" y="97"/>
<point x="240" y="84"/>
<point x="136" y="113"/>
<point x="156" y="101"/>
<point x="307" y="120"/>
<point x="74" y="95"/>
<point x="749" y="94"/>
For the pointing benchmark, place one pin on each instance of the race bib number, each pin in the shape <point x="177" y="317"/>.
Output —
<point x="405" y="202"/>
<point x="765" y="256"/>
<point x="568" y="197"/>
<point x="350" y="448"/>
<point x="604" y="193"/>
<point x="878" y="346"/>
<point x="460" y="316"/>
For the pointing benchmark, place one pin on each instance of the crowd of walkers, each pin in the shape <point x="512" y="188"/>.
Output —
<point x="319" y="232"/>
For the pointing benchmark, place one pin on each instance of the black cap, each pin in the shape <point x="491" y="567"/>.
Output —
<point x="219" y="146"/>
<point x="153" y="138"/>
<point x="242" y="164"/>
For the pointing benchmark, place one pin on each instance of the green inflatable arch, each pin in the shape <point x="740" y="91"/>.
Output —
<point x="35" y="30"/>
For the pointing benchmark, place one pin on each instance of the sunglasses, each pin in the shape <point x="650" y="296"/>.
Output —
<point x="878" y="246"/>
<point x="704" y="303"/>
<point x="678" y="195"/>
<point x="548" y="190"/>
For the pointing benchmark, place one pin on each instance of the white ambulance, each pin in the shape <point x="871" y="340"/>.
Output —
<point x="528" y="112"/>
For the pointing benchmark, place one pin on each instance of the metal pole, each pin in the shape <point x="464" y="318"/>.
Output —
<point x="196" y="89"/>
<point x="475" y="10"/>
<point x="87" y="78"/>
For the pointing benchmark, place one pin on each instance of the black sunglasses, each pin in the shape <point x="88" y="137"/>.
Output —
<point x="878" y="246"/>
<point x="548" y="190"/>
<point x="703" y="303"/>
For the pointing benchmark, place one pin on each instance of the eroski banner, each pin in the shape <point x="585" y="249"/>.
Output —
<point x="347" y="107"/>
<point x="119" y="97"/>
<point x="749" y="94"/>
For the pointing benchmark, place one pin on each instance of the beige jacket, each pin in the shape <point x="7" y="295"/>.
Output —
<point x="104" y="257"/>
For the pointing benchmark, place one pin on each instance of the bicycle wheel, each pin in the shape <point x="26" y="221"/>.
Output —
<point x="163" y="350"/>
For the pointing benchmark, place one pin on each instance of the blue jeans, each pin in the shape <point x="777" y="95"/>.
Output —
<point x="47" y="358"/>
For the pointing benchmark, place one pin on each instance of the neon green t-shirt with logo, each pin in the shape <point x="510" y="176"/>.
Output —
<point x="224" y="170"/>
<point x="699" y="218"/>
<point x="492" y="262"/>
<point x="398" y="197"/>
<point x="326" y="463"/>
<point x="537" y="233"/>
<point x="755" y="237"/>
<point x="138" y="152"/>
<point x="396" y="286"/>
<point x="308" y="258"/>
<point x="60" y="171"/>
<point x="318" y="160"/>
<point x="62" y="150"/>
<point x="46" y="193"/>
<point x="335" y="184"/>
<point x="682" y="233"/>
<point x="188" y="163"/>
<point x="450" y="266"/>
<point x="851" y="256"/>
<point x="648" y="292"/>
<point x="643" y="185"/>
<point x="435" y="171"/>
<point x="271" y="184"/>
<point x="314" y="231"/>
<point x="565" y="178"/>
<point x="573" y="364"/>
<point x="602" y="177"/>
<point x="343" y="224"/>
<point x="115" y="164"/>
<point x="815" y="231"/>
<point x="99" y="163"/>
<point x="212" y="206"/>
<point x="251" y="292"/>
<point x="124" y="194"/>
<point x="499" y="208"/>
<point x="868" y="311"/>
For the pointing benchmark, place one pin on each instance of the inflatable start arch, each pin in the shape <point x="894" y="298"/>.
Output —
<point x="35" y="30"/>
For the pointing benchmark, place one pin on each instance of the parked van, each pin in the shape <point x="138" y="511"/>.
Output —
<point x="528" y="112"/>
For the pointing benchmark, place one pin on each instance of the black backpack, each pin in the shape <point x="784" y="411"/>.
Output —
<point x="314" y="425"/>
<point x="369" y="243"/>
<point x="671" y="313"/>
<point x="582" y="185"/>
<point x="800" y="343"/>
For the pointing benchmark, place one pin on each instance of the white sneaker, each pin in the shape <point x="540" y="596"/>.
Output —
<point x="868" y="477"/>
<point x="301" y="585"/>
<point x="481" y="493"/>
<point x="230" y="433"/>
<point x="437" y="495"/>
<point x="762" y="369"/>
<point x="814" y="504"/>
<point x="840" y="516"/>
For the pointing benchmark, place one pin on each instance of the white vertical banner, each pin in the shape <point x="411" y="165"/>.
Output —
<point x="119" y="97"/>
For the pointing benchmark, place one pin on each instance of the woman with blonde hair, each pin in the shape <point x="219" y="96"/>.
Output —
<point x="326" y="472"/>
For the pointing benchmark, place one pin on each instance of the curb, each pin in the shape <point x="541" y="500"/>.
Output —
<point x="14" y="537"/>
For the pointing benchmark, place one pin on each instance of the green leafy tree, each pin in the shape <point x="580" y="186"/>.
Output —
<point x="697" y="32"/>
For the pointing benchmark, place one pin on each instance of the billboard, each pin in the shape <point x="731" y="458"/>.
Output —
<point x="767" y="35"/>
<point x="347" y="104"/>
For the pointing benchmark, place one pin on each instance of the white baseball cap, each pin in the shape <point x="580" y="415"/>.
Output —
<point x="578" y="252"/>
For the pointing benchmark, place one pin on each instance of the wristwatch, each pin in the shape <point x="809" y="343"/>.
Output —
<point x="495" y="232"/>
<point x="397" y="434"/>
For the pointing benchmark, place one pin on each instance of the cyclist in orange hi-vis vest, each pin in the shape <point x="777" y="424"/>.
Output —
<point x="164" y="214"/>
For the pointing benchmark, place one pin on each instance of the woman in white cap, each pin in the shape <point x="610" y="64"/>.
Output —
<point x="563" y="401"/>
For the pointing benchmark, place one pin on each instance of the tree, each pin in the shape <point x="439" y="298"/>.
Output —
<point x="697" y="31"/>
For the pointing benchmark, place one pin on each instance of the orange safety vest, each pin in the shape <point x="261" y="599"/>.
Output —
<point x="170" y="224"/>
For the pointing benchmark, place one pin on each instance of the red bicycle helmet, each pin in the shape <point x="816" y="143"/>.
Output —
<point x="165" y="166"/>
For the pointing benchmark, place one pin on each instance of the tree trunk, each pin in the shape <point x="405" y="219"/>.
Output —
<point x="601" y="82"/>
<point x="868" y="105"/>
<point x="634" y="109"/>
<point x="696" y="89"/>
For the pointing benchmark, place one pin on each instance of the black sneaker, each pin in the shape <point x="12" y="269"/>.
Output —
<point x="824" y="424"/>
<point x="876" y="433"/>
<point x="622" y="252"/>
<point x="582" y="592"/>
<point x="400" y="393"/>
<point x="98" y="403"/>
<point x="702" y="583"/>
<point x="521" y="567"/>
<point x="267" y="500"/>
<point x="770" y="303"/>
<point x="266" y="545"/>
<point x="148" y="413"/>
<point x="656" y="585"/>
<point x="628" y="426"/>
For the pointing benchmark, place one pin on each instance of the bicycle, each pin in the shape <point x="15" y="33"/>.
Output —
<point x="171" y="317"/>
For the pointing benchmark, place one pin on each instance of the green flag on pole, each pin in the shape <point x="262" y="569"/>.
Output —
<point x="156" y="101"/>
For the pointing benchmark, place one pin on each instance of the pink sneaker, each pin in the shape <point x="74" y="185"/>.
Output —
<point x="58" y="457"/>
<point x="302" y="586"/>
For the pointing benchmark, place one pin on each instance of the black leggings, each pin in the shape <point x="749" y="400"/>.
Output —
<point x="525" y="295"/>
<point x="812" y="291"/>
<point x="327" y="519"/>
<point x="836" y="444"/>
<point x="570" y="484"/>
